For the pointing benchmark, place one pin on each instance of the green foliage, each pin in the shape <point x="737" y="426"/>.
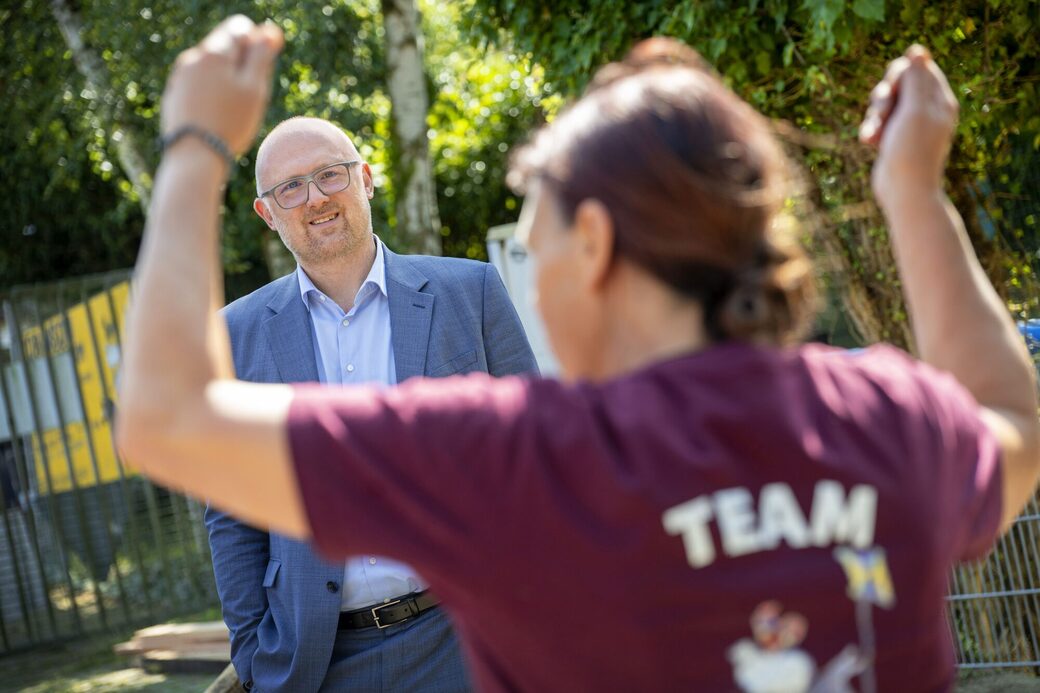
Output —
<point x="63" y="209"/>
<point x="810" y="62"/>
<point x="76" y="208"/>
<point x="813" y="62"/>
<point x="484" y="103"/>
<point x="75" y="195"/>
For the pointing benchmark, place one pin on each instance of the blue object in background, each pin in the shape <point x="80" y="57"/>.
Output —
<point x="1030" y="329"/>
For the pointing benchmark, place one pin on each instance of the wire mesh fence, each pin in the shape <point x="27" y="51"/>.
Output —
<point x="85" y="545"/>
<point x="995" y="604"/>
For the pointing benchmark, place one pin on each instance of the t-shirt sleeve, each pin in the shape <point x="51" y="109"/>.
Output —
<point x="976" y="493"/>
<point x="412" y="472"/>
<point x="983" y="497"/>
<point x="960" y="455"/>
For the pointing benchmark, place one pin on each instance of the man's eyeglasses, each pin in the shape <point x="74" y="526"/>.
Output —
<point x="296" y="191"/>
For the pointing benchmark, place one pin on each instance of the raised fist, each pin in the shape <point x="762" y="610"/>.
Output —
<point x="222" y="85"/>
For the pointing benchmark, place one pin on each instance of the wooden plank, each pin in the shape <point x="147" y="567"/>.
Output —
<point x="176" y="636"/>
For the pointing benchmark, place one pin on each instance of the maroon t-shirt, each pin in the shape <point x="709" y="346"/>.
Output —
<point x="725" y="520"/>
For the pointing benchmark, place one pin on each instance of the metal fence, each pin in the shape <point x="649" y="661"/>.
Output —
<point x="85" y="545"/>
<point x="995" y="604"/>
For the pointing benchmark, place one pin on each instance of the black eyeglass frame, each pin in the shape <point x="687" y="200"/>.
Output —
<point x="307" y="180"/>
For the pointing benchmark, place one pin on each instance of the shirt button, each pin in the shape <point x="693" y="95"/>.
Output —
<point x="372" y="561"/>
<point x="346" y="322"/>
<point x="321" y="298"/>
<point x="332" y="586"/>
<point x="350" y="368"/>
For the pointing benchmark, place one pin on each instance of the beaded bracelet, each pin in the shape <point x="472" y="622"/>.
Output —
<point x="212" y="141"/>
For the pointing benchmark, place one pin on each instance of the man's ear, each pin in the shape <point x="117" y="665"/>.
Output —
<point x="594" y="235"/>
<point x="366" y="178"/>
<point x="260" y="207"/>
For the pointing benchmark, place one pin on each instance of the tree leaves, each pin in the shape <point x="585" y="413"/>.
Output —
<point x="869" y="9"/>
<point x="812" y="63"/>
<point x="74" y="212"/>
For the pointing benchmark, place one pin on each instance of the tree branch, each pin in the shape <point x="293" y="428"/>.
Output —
<point x="93" y="69"/>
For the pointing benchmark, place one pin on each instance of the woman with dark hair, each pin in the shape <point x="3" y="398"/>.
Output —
<point x="702" y="504"/>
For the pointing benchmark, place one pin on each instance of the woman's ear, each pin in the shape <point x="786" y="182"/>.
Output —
<point x="594" y="236"/>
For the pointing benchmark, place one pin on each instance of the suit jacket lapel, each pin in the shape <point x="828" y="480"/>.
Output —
<point x="290" y="335"/>
<point x="410" y="314"/>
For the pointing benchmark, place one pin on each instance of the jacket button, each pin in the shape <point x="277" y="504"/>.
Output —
<point x="332" y="586"/>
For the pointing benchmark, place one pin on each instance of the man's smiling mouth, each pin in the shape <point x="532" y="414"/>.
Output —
<point x="324" y="219"/>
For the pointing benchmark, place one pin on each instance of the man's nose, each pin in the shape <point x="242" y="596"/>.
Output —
<point x="315" y="197"/>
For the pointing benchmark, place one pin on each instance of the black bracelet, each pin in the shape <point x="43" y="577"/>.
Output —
<point x="212" y="141"/>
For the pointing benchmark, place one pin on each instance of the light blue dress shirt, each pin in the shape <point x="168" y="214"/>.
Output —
<point x="351" y="348"/>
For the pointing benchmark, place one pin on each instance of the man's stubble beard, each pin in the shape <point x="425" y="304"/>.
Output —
<point x="319" y="249"/>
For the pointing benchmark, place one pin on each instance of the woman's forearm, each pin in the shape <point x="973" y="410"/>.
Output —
<point x="960" y="323"/>
<point x="174" y="347"/>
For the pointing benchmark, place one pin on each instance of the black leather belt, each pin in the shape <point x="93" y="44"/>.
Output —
<point x="389" y="613"/>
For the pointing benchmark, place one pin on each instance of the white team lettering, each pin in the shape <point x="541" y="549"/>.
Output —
<point x="833" y="519"/>
<point x="836" y="520"/>
<point x="690" y="519"/>
<point x="736" y="520"/>
<point x="782" y="518"/>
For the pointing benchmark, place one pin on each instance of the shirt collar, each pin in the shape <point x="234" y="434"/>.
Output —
<point x="376" y="277"/>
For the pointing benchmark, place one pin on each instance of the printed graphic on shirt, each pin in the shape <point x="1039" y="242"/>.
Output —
<point x="834" y="518"/>
<point x="869" y="585"/>
<point x="771" y="661"/>
<point x="868" y="576"/>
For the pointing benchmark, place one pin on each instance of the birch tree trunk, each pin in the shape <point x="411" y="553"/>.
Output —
<point x="418" y="220"/>
<point x="93" y="69"/>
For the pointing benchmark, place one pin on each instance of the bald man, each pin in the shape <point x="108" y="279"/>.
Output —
<point x="352" y="312"/>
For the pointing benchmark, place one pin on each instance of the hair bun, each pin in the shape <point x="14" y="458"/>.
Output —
<point x="770" y="302"/>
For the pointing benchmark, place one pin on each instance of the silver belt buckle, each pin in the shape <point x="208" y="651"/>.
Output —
<point x="375" y="613"/>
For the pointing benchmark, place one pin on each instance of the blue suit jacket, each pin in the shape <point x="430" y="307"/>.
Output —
<point x="279" y="599"/>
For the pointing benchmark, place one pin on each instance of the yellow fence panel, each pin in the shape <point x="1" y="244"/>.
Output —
<point x="79" y="367"/>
